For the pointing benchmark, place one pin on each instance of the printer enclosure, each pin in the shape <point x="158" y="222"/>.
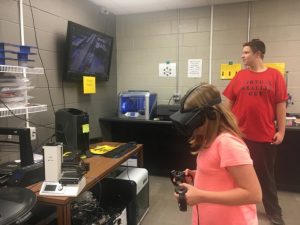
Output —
<point x="137" y="104"/>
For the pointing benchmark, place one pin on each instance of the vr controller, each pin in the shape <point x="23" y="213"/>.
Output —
<point x="181" y="190"/>
<point x="178" y="177"/>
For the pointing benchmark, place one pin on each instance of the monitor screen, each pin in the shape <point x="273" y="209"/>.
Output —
<point x="88" y="52"/>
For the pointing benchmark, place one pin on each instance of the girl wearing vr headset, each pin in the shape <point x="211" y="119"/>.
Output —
<point x="225" y="187"/>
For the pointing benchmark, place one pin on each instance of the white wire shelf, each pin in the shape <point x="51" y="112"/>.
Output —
<point x="34" y="108"/>
<point x="21" y="69"/>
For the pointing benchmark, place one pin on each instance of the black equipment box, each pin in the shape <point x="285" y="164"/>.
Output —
<point x="128" y="190"/>
<point x="165" y="111"/>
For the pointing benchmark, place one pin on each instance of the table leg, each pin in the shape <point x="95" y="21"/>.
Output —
<point x="140" y="158"/>
<point x="64" y="214"/>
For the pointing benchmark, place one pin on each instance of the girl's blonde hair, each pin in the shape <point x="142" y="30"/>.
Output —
<point x="223" y="119"/>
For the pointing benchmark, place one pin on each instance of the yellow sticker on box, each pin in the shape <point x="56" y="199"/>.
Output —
<point x="85" y="128"/>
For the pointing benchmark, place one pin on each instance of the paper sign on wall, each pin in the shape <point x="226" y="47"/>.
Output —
<point x="278" y="66"/>
<point x="228" y="71"/>
<point x="89" y="85"/>
<point x="194" y="67"/>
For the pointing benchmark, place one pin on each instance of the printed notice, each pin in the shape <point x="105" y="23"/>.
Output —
<point x="194" y="67"/>
<point x="89" y="85"/>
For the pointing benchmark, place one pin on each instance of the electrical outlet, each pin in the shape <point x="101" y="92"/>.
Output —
<point x="176" y="97"/>
<point x="32" y="133"/>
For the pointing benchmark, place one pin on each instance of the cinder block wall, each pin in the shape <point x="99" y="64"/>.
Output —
<point x="145" y="40"/>
<point x="142" y="42"/>
<point x="50" y="19"/>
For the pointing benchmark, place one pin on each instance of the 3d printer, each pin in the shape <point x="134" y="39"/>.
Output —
<point x="137" y="104"/>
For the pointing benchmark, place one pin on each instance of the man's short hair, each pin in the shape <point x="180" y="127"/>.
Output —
<point x="256" y="45"/>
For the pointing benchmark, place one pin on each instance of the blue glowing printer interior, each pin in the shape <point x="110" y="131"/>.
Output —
<point x="139" y="105"/>
<point x="133" y="104"/>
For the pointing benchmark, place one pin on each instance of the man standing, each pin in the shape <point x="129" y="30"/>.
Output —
<point x="257" y="96"/>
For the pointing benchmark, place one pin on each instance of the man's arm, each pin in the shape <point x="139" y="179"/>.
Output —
<point x="280" y="118"/>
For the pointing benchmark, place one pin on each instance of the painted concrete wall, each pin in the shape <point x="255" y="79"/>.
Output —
<point x="142" y="42"/>
<point x="50" y="18"/>
<point x="145" y="40"/>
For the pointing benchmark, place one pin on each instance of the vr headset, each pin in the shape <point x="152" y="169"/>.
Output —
<point x="187" y="120"/>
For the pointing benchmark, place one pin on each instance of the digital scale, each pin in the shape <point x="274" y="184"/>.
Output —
<point x="57" y="189"/>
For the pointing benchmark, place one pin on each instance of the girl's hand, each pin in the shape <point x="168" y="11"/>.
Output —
<point x="192" y="195"/>
<point x="189" y="176"/>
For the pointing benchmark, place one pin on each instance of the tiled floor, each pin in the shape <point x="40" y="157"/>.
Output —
<point x="164" y="209"/>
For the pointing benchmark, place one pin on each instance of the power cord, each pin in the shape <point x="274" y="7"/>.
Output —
<point x="127" y="170"/>
<point x="42" y="143"/>
<point x="63" y="92"/>
<point x="10" y="142"/>
<point x="192" y="180"/>
<point x="38" y="125"/>
<point x="48" y="86"/>
<point x="38" y="50"/>
<point x="118" y="102"/>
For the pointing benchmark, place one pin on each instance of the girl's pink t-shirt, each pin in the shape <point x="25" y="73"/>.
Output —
<point x="211" y="175"/>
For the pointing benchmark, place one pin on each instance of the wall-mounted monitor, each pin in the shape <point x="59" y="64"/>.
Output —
<point x="88" y="53"/>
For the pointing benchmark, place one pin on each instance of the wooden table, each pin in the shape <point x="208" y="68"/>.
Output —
<point x="99" y="168"/>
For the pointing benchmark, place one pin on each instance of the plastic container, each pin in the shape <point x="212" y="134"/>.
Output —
<point x="22" y="54"/>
